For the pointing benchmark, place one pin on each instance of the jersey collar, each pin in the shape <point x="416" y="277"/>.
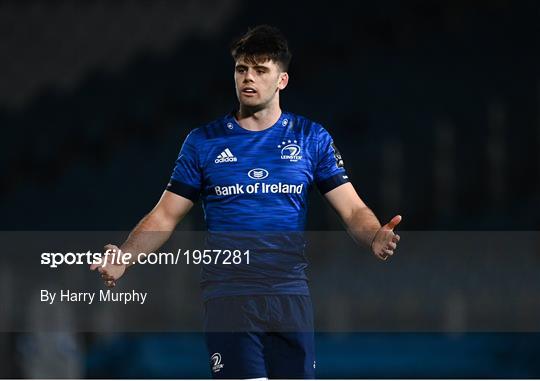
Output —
<point x="231" y="124"/>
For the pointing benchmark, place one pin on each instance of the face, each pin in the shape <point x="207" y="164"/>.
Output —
<point x="258" y="83"/>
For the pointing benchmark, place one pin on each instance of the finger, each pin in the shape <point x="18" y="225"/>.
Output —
<point x="394" y="222"/>
<point x="382" y="257"/>
<point x="391" y="246"/>
<point x="396" y="238"/>
<point x="388" y="252"/>
<point x="105" y="275"/>
<point x="110" y="247"/>
<point x="100" y="270"/>
<point x="94" y="266"/>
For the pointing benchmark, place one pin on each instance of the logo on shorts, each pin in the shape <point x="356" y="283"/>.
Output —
<point x="216" y="362"/>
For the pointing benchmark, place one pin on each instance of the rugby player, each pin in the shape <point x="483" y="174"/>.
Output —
<point x="253" y="169"/>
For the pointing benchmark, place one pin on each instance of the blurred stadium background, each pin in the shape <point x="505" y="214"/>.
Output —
<point x="435" y="106"/>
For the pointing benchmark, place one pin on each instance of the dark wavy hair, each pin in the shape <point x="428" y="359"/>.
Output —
<point x="263" y="43"/>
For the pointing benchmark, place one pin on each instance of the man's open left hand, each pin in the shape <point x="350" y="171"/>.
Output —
<point x="385" y="242"/>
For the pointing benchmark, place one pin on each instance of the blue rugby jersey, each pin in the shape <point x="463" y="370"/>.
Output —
<point x="254" y="187"/>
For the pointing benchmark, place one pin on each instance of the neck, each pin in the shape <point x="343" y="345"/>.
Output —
<point x="257" y="118"/>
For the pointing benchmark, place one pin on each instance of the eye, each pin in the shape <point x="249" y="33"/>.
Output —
<point x="260" y="71"/>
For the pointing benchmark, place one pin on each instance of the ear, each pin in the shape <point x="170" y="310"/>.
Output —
<point x="283" y="80"/>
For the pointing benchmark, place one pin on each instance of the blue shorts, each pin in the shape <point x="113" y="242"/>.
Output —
<point x="260" y="336"/>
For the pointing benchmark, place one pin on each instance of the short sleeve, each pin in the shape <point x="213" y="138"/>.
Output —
<point x="186" y="179"/>
<point x="329" y="173"/>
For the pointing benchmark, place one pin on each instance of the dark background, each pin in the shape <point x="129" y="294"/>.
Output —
<point x="434" y="105"/>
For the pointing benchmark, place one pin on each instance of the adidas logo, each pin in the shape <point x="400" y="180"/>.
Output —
<point x="225" y="157"/>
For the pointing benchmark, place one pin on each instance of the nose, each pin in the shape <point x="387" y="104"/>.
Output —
<point x="248" y="77"/>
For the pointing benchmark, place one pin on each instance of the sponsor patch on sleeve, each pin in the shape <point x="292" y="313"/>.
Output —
<point x="337" y="156"/>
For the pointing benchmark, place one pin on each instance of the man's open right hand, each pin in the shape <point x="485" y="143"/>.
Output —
<point x="111" y="271"/>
